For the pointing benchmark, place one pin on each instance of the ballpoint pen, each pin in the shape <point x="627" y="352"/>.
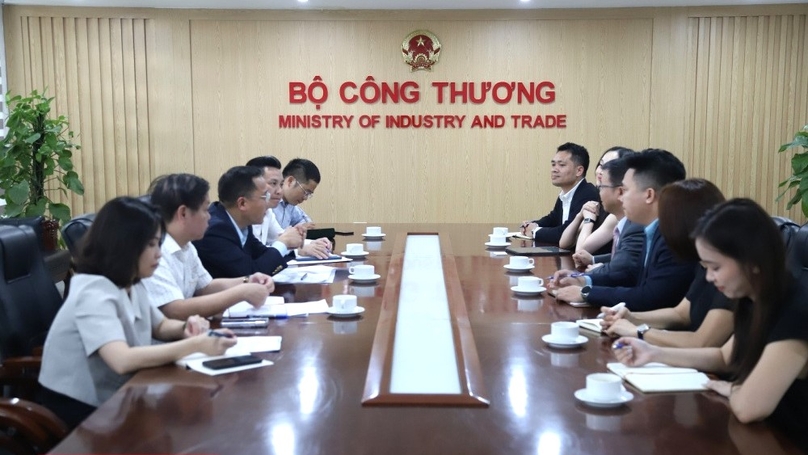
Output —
<point x="213" y="333"/>
<point x="571" y="275"/>
<point x="618" y="345"/>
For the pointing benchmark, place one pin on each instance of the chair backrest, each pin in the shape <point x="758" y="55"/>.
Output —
<point x="75" y="229"/>
<point x="34" y="221"/>
<point x="787" y="228"/>
<point x="29" y="428"/>
<point x="29" y="299"/>
<point x="797" y="253"/>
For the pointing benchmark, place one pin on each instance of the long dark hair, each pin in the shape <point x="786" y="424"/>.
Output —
<point x="681" y="205"/>
<point x="740" y="229"/>
<point x="120" y="232"/>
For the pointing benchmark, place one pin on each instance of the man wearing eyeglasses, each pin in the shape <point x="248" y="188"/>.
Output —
<point x="300" y="179"/>
<point x="229" y="248"/>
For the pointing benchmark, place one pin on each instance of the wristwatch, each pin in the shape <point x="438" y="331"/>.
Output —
<point x="588" y="220"/>
<point x="585" y="292"/>
<point x="641" y="329"/>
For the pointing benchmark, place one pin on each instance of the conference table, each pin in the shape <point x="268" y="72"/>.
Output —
<point x="310" y="400"/>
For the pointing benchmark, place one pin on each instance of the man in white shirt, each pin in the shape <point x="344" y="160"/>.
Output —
<point x="568" y="172"/>
<point x="270" y="230"/>
<point x="181" y="287"/>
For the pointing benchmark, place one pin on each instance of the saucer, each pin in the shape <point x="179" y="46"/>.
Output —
<point x="563" y="343"/>
<point x="355" y="255"/>
<point x="622" y="398"/>
<point x="520" y="290"/>
<point x="337" y="314"/>
<point x="373" y="236"/>
<point x="514" y="268"/>
<point x="364" y="279"/>
<point x="497" y="245"/>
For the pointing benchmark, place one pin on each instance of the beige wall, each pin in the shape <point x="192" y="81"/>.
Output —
<point x="158" y="91"/>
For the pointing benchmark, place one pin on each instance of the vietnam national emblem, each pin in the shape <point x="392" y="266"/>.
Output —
<point x="420" y="50"/>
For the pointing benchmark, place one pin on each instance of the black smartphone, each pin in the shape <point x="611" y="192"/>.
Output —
<point x="231" y="362"/>
<point x="537" y="251"/>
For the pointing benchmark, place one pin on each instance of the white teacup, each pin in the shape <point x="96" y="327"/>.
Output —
<point x="354" y="248"/>
<point x="603" y="386"/>
<point x="500" y="231"/>
<point x="344" y="303"/>
<point x="362" y="271"/>
<point x="530" y="283"/>
<point x="373" y="231"/>
<point x="521" y="261"/>
<point x="564" y="330"/>
<point x="497" y="239"/>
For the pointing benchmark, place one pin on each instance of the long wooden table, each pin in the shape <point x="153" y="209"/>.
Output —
<point x="309" y="402"/>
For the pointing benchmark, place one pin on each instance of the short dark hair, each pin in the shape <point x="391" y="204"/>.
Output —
<point x="302" y="169"/>
<point x="171" y="191"/>
<point x="655" y="168"/>
<point x="681" y="205"/>
<point x="578" y="154"/>
<point x="237" y="182"/>
<point x="740" y="229"/>
<point x="621" y="151"/>
<point x="120" y="232"/>
<point x="265" y="161"/>
<point x="617" y="169"/>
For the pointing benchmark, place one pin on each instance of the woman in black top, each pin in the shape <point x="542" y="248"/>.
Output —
<point x="766" y="360"/>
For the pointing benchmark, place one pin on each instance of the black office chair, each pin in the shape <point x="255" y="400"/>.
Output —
<point x="787" y="228"/>
<point x="797" y="253"/>
<point x="75" y="229"/>
<point x="29" y="302"/>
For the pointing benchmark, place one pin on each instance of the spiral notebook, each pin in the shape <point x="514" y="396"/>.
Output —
<point x="658" y="377"/>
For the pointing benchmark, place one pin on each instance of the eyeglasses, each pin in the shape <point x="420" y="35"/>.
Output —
<point x="599" y="187"/>
<point x="306" y="193"/>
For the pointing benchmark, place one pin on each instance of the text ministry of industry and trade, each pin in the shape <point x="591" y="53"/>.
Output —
<point x="371" y="92"/>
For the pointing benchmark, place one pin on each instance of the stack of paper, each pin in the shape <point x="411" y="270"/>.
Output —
<point x="658" y="377"/>
<point x="244" y="346"/>
<point x="310" y="260"/>
<point x="244" y="310"/>
<point x="590" y="324"/>
<point x="319" y="274"/>
<point x="275" y="308"/>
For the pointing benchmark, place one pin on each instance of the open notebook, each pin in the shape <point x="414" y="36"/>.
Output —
<point x="658" y="377"/>
<point x="590" y="324"/>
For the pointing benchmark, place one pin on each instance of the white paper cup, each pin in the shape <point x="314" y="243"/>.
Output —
<point x="500" y="231"/>
<point x="603" y="386"/>
<point x="497" y="239"/>
<point x="530" y="283"/>
<point x="344" y="303"/>
<point x="354" y="248"/>
<point x="373" y="231"/>
<point x="565" y="330"/>
<point x="521" y="261"/>
<point x="362" y="270"/>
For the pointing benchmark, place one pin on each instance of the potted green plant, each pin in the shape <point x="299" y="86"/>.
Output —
<point x="799" y="169"/>
<point x="37" y="151"/>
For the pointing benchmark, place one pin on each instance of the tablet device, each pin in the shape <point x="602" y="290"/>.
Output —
<point x="231" y="362"/>
<point x="537" y="251"/>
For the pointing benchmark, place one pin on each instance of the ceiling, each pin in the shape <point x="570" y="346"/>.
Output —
<point x="392" y="4"/>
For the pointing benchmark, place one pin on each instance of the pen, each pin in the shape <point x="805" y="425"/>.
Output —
<point x="614" y="308"/>
<point x="571" y="275"/>
<point x="212" y="333"/>
<point x="618" y="345"/>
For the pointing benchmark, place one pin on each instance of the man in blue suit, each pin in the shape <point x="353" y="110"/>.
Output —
<point x="229" y="249"/>
<point x="663" y="281"/>
<point x="568" y="172"/>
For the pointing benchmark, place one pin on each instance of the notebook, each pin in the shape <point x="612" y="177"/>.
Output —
<point x="658" y="377"/>
<point x="590" y="324"/>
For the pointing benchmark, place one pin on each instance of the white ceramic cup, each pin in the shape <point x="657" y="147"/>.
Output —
<point x="530" y="283"/>
<point x="564" y="329"/>
<point x="603" y="386"/>
<point x="344" y="303"/>
<point x="373" y="231"/>
<point x="362" y="270"/>
<point x="354" y="248"/>
<point x="500" y="231"/>
<point x="521" y="261"/>
<point x="497" y="239"/>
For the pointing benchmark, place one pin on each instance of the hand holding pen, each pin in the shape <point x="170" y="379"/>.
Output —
<point x="633" y="352"/>
<point x="566" y="277"/>
<point x="216" y="342"/>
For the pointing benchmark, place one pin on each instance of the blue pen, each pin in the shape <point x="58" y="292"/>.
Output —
<point x="618" y="345"/>
<point x="212" y="333"/>
<point x="571" y="275"/>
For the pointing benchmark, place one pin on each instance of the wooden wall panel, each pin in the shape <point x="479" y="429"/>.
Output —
<point x="158" y="91"/>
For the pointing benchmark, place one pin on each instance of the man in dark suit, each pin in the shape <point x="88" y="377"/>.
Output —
<point x="568" y="172"/>
<point x="663" y="281"/>
<point x="229" y="248"/>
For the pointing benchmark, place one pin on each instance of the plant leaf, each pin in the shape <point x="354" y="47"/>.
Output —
<point x="59" y="211"/>
<point x="18" y="193"/>
<point x="32" y="138"/>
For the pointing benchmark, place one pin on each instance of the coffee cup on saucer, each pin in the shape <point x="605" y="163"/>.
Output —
<point x="564" y="331"/>
<point x="362" y="272"/>
<point x="500" y="231"/>
<point x="497" y="239"/>
<point x="373" y="231"/>
<point x="344" y="303"/>
<point x="354" y="249"/>
<point x="521" y="262"/>
<point x="530" y="283"/>
<point x="603" y="386"/>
